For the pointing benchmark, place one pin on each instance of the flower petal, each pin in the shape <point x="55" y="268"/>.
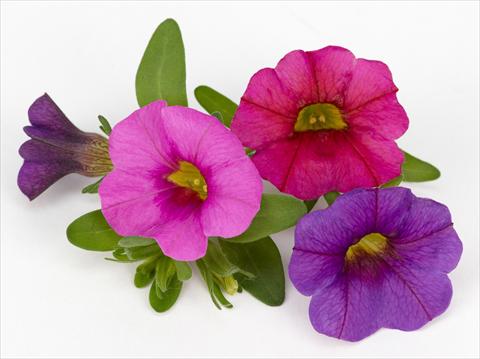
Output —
<point x="137" y="143"/>
<point x="234" y="195"/>
<point x="295" y="71"/>
<point x="46" y="114"/>
<point x="35" y="177"/>
<point x="382" y="157"/>
<point x="384" y="116"/>
<point x="133" y="203"/>
<point x="256" y="126"/>
<point x="181" y="240"/>
<point x="311" y="164"/>
<point x="265" y="90"/>
<point x="333" y="67"/>
<point x="370" y="80"/>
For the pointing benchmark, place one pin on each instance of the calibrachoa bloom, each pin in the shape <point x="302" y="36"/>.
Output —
<point x="322" y="121"/>
<point x="375" y="258"/>
<point x="180" y="177"/>
<point x="58" y="148"/>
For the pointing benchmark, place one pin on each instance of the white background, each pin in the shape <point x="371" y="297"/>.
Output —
<point x="60" y="301"/>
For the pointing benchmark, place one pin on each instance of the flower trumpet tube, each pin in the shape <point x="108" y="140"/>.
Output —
<point x="58" y="148"/>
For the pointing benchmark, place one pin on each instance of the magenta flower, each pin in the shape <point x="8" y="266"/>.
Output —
<point x="57" y="148"/>
<point x="375" y="258"/>
<point x="180" y="177"/>
<point x="322" y="121"/>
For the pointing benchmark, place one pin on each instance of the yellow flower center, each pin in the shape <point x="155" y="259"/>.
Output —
<point x="320" y="116"/>
<point x="371" y="245"/>
<point x="189" y="176"/>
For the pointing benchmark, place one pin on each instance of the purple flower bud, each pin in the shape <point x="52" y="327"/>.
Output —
<point x="58" y="148"/>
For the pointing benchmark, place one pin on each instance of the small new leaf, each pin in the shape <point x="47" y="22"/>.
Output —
<point x="92" y="188"/>
<point x="105" y="125"/>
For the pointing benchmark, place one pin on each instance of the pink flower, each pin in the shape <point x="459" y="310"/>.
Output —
<point x="180" y="177"/>
<point x="322" y="121"/>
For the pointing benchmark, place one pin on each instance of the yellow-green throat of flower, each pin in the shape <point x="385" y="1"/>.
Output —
<point x="189" y="176"/>
<point x="319" y="116"/>
<point x="372" y="244"/>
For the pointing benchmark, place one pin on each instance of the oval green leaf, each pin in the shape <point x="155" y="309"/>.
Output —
<point x="168" y="298"/>
<point x="161" y="73"/>
<point x="92" y="232"/>
<point x="262" y="259"/>
<point x="214" y="102"/>
<point x="277" y="213"/>
<point x="416" y="170"/>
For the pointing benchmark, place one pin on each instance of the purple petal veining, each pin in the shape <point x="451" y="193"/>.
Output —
<point x="400" y="284"/>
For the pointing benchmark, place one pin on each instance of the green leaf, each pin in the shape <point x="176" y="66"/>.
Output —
<point x="92" y="188"/>
<point x="92" y="232"/>
<point x="262" y="259"/>
<point x="130" y="242"/>
<point x="217" y="262"/>
<point x="184" y="272"/>
<point x="137" y="253"/>
<point x="105" y="125"/>
<point x="161" y="74"/>
<point x="217" y="292"/>
<point x="330" y="197"/>
<point x="277" y="213"/>
<point x="168" y="298"/>
<point x="393" y="183"/>
<point x="165" y="272"/>
<point x="310" y="204"/>
<point x="145" y="272"/>
<point x="416" y="170"/>
<point x="214" y="102"/>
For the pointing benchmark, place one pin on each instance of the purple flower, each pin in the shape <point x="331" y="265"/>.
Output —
<point x="180" y="177"/>
<point x="375" y="258"/>
<point x="57" y="148"/>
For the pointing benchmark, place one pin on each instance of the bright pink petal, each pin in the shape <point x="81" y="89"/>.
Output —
<point x="384" y="116"/>
<point x="370" y="80"/>
<point x="136" y="142"/>
<point x="295" y="72"/>
<point x="333" y="68"/>
<point x="134" y="202"/>
<point x="234" y="195"/>
<point x="181" y="239"/>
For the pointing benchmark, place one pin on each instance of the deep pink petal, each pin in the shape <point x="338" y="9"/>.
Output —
<point x="234" y="195"/>
<point x="370" y="80"/>
<point x="382" y="157"/>
<point x="296" y="73"/>
<point x="256" y="126"/>
<point x="333" y="67"/>
<point x="384" y="116"/>
<point x="311" y="164"/>
<point x="265" y="90"/>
